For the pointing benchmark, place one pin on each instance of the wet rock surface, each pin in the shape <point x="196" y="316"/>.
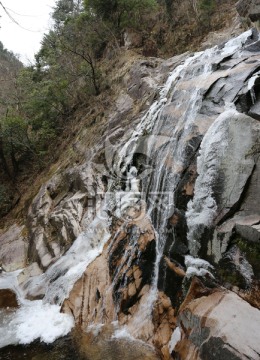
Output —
<point x="115" y="282"/>
<point x="82" y="346"/>
<point x="219" y="326"/>
<point x="174" y="178"/>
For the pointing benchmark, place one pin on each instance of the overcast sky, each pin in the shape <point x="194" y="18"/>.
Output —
<point x="33" y="15"/>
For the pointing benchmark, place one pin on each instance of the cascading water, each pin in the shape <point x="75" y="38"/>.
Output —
<point x="163" y="139"/>
<point x="42" y="318"/>
<point x="169" y="135"/>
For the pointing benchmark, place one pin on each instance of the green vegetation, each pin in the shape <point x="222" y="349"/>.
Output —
<point x="38" y="102"/>
<point x="121" y="13"/>
<point x="230" y="272"/>
<point x="206" y="9"/>
<point x="5" y="199"/>
<point x="252" y="253"/>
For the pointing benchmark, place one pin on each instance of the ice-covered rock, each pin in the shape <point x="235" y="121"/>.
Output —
<point x="225" y="165"/>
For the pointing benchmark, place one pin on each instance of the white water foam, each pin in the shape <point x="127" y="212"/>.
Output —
<point x="41" y="319"/>
<point x="197" y="267"/>
<point x="33" y="320"/>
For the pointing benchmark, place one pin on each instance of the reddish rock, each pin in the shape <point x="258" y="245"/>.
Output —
<point x="164" y="323"/>
<point x="118" y="279"/>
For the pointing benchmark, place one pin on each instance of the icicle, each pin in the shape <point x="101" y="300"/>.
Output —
<point x="251" y="84"/>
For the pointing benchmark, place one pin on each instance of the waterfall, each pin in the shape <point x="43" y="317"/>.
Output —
<point x="42" y="318"/>
<point x="32" y="320"/>
<point x="149" y="167"/>
<point x="251" y="84"/>
<point x="168" y="151"/>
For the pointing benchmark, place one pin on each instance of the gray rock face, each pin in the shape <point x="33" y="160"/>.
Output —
<point x="186" y="155"/>
<point x="66" y="204"/>
<point x="251" y="233"/>
<point x="250" y="8"/>
<point x="224" y="166"/>
<point x="243" y="7"/>
<point x="219" y="326"/>
<point x="56" y="216"/>
<point x="254" y="12"/>
<point x="255" y="111"/>
<point x="13" y="248"/>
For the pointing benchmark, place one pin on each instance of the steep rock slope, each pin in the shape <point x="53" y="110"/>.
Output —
<point x="120" y="237"/>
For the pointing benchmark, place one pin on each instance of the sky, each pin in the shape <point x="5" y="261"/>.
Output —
<point x="33" y="15"/>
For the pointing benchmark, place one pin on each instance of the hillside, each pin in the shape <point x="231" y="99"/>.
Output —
<point x="49" y="107"/>
<point x="130" y="158"/>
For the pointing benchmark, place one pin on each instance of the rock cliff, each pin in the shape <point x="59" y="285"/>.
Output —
<point x="157" y="231"/>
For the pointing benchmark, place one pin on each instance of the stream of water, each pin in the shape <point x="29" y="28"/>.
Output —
<point x="167" y="135"/>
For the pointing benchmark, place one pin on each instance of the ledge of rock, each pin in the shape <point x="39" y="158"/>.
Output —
<point x="218" y="326"/>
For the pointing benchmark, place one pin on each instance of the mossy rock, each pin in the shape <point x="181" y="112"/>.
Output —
<point x="229" y="275"/>
<point x="252" y="253"/>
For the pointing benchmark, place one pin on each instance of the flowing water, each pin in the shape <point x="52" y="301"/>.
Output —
<point x="168" y="137"/>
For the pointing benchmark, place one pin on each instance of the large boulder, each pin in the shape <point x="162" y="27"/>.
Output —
<point x="218" y="326"/>
<point x="56" y="215"/>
